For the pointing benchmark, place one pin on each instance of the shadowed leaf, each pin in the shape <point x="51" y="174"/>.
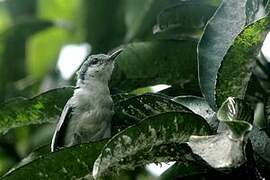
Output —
<point x="186" y="19"/>
<point x="228" y="21"/>
<point x="260" y="143"/>
<point x="157" y="62"/>
<point x="43" y="108"/>
<point x="143" y="143"/>
<point x="75" y="162"/>
<point x="104" y="24"/>
<point x="134" y="109"/>
<point x="237" y="115"/>
<point x="199" y="106"/>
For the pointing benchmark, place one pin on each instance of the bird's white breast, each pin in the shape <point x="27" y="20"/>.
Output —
<point x="91" y="118"/>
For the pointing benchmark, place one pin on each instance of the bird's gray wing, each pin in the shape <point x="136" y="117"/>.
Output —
<point x="60" y="130"/>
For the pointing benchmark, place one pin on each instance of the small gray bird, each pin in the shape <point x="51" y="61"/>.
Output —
<point x="87" y="114"/>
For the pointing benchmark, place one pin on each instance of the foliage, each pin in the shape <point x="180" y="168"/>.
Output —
<point x="213" y="119"/>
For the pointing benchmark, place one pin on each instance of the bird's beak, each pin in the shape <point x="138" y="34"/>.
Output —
<point x="115" y="54"/>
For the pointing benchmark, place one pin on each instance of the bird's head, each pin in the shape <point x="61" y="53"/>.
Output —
<point x="97" y="67"/>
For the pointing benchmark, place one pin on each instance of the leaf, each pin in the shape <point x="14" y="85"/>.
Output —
<point x="226" y="150"/>
<point x="255" y="9"/>
<point x="43" y="108"/>
<point x="68" y="15"/>
<point x="186" y="19"/>
<point x="37" y="153"/>
<point x="140" y="25"/>
<point x="57" y="9"/>
<point x="267" y="9"/>
<point x="52" y="40"/>
<point x="157" y="62"/>
<point x="134" y="109"/>
<point x="235" y="109"/>
<point x="5" y="19"/>
<point x="237" y="115"/>
<point x="47" y="107"/>
<point x="260" y="143"/>
<point x="143" y="143"/>
<point x="121" y="97"/>
<point x="237" y="66"/>
<point x="199" y="106"/>
<point x="104" y="24"/>
<point x="219" y="151"/>
<point x="69" y="163"/>
<point x="228" y="21"/>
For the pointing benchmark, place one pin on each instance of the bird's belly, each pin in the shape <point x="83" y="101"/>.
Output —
<point x="89" y="126"/>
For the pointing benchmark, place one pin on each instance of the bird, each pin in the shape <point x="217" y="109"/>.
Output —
<point x="87" y="115"/>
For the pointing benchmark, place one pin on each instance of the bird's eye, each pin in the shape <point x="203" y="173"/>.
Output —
<point x="95" y="61"/>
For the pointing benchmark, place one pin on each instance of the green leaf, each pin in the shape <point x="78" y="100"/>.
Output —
<point x="43" y="108"/>
<point x="199" y="106"/>
<point x="235" y="109"/>
<point x="142" y="90"/>
<point x="238" y="128"/>
<point x="47" y="107"/>
<point x="134" y="109"/>
<point x="52" y="40"/>
<point x="5" y="22"/>
<point x="236" y="69"/>
<point x="186" y="19"/>
<point x="57" y="9"/>
<point x="104" y="24"/>
<point x="143" y="143"/>
<point x="221" y="30"/>
<point x="69" y="163"/>
<point x="237" y="115"/>
<point x="37" y="153"/>
<point x="121" y="97"/>
<point x="157" y="62"/>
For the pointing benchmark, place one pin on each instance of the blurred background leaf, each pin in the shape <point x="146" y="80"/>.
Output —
<point x="104" y="24"/>
<point x="40" y="62"/>
<point x="157" y="62"/>
<point x="13" y="65"/>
